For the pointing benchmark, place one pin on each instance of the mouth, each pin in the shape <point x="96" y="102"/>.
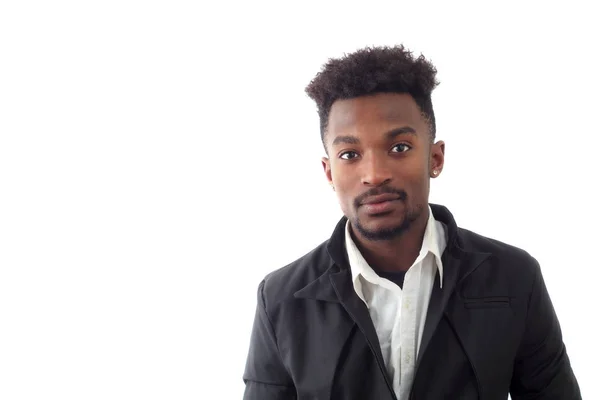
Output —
<point x="380" y="198"/>
<point x="381" y="204"/>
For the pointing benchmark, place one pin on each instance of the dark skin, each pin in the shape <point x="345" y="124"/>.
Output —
<point x="380" y="145"/>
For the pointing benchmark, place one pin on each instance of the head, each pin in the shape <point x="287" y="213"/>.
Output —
<point x="378" y="130"/>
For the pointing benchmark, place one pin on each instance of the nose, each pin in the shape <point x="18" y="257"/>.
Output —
<point x="375" y="171"/>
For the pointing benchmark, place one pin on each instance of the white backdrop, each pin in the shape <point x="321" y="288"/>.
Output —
<point x="157" y="159"/>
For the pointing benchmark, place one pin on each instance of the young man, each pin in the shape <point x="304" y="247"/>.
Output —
<point x="400" y="303"/>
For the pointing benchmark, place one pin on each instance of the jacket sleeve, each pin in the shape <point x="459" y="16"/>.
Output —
<point x="542" y="369"/>
<point x="265" y="375"/>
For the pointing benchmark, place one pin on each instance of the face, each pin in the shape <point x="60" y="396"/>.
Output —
<point x="380" y="161"/>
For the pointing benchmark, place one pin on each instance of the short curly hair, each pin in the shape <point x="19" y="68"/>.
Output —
<point x="374" y="70"/>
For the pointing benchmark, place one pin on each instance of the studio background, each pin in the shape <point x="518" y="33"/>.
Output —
<point x="157" y="159"/>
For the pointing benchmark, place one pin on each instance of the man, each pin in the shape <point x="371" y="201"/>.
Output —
<point x="400" y="303"/>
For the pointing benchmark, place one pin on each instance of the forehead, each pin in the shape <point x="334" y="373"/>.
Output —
<point x="380" y="111"/>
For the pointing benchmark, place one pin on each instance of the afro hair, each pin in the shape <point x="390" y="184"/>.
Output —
<point x="374" y="70"/>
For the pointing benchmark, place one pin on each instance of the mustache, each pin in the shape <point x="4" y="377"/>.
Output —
<point x="380" y="190"/>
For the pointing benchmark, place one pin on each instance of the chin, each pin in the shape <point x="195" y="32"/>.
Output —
<point x="381" y="227"/>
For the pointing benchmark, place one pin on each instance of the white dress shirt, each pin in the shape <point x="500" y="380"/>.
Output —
<point x="399" y="314"/>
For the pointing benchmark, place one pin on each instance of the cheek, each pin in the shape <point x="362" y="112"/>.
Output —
<point x="339" y="179"/>
<point x="344" y="188"/>
<point x="420" y="187"/>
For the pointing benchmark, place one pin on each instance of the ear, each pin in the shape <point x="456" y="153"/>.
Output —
<point x="327" y="169"/>
<point x="438" y="151"/>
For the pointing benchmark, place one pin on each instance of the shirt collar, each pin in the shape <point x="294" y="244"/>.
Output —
<point x="433" y="242"/>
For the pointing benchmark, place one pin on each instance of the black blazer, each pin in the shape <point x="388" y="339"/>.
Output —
<point x="489" y="331"/>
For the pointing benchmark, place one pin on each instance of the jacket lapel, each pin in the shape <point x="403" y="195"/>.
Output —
<point x="341" y="281"/>
<point x="335" y="285"/>
<point x="359" y="312"/>
<point x="455" y="266"/>
<point x="458" y="263"/>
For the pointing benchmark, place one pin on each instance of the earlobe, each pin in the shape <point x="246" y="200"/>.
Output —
<point x="437" y="156"/>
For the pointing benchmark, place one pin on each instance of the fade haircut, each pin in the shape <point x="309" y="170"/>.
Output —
<point x="370" y="71"/>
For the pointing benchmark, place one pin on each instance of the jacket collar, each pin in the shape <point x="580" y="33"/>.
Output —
<point x="335" y="284"/>
<point x="321" y="289"/>
<point x="459" y="260"/>
<point x="434" y="241"/>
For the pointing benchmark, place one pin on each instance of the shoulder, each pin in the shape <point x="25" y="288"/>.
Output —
<point x="503" y="259"/>
<point x="281" y="284"/>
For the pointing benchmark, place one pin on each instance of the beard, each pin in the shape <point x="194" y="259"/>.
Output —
<point x="392" y="232"/>
<point x="410" y="215"/>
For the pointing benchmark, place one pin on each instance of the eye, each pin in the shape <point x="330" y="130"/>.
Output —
<point x="401" y="148"/>
<point x="348" y="155"/>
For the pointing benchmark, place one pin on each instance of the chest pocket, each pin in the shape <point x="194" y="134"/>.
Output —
<point x="487" y="302"/>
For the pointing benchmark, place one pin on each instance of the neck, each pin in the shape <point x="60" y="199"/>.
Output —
<point x="397" y="254"/>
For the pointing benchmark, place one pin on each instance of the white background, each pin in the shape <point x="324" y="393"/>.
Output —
<point x="157" y="159"/>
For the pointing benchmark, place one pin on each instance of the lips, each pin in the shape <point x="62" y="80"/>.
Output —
<point x="380" y="204"/>
<point x="381" y="198"/>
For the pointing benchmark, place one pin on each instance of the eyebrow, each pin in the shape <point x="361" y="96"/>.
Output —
<point x="349" y="139"/>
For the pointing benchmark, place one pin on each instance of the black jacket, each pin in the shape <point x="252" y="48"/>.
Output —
<point x="489" y="331"/>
